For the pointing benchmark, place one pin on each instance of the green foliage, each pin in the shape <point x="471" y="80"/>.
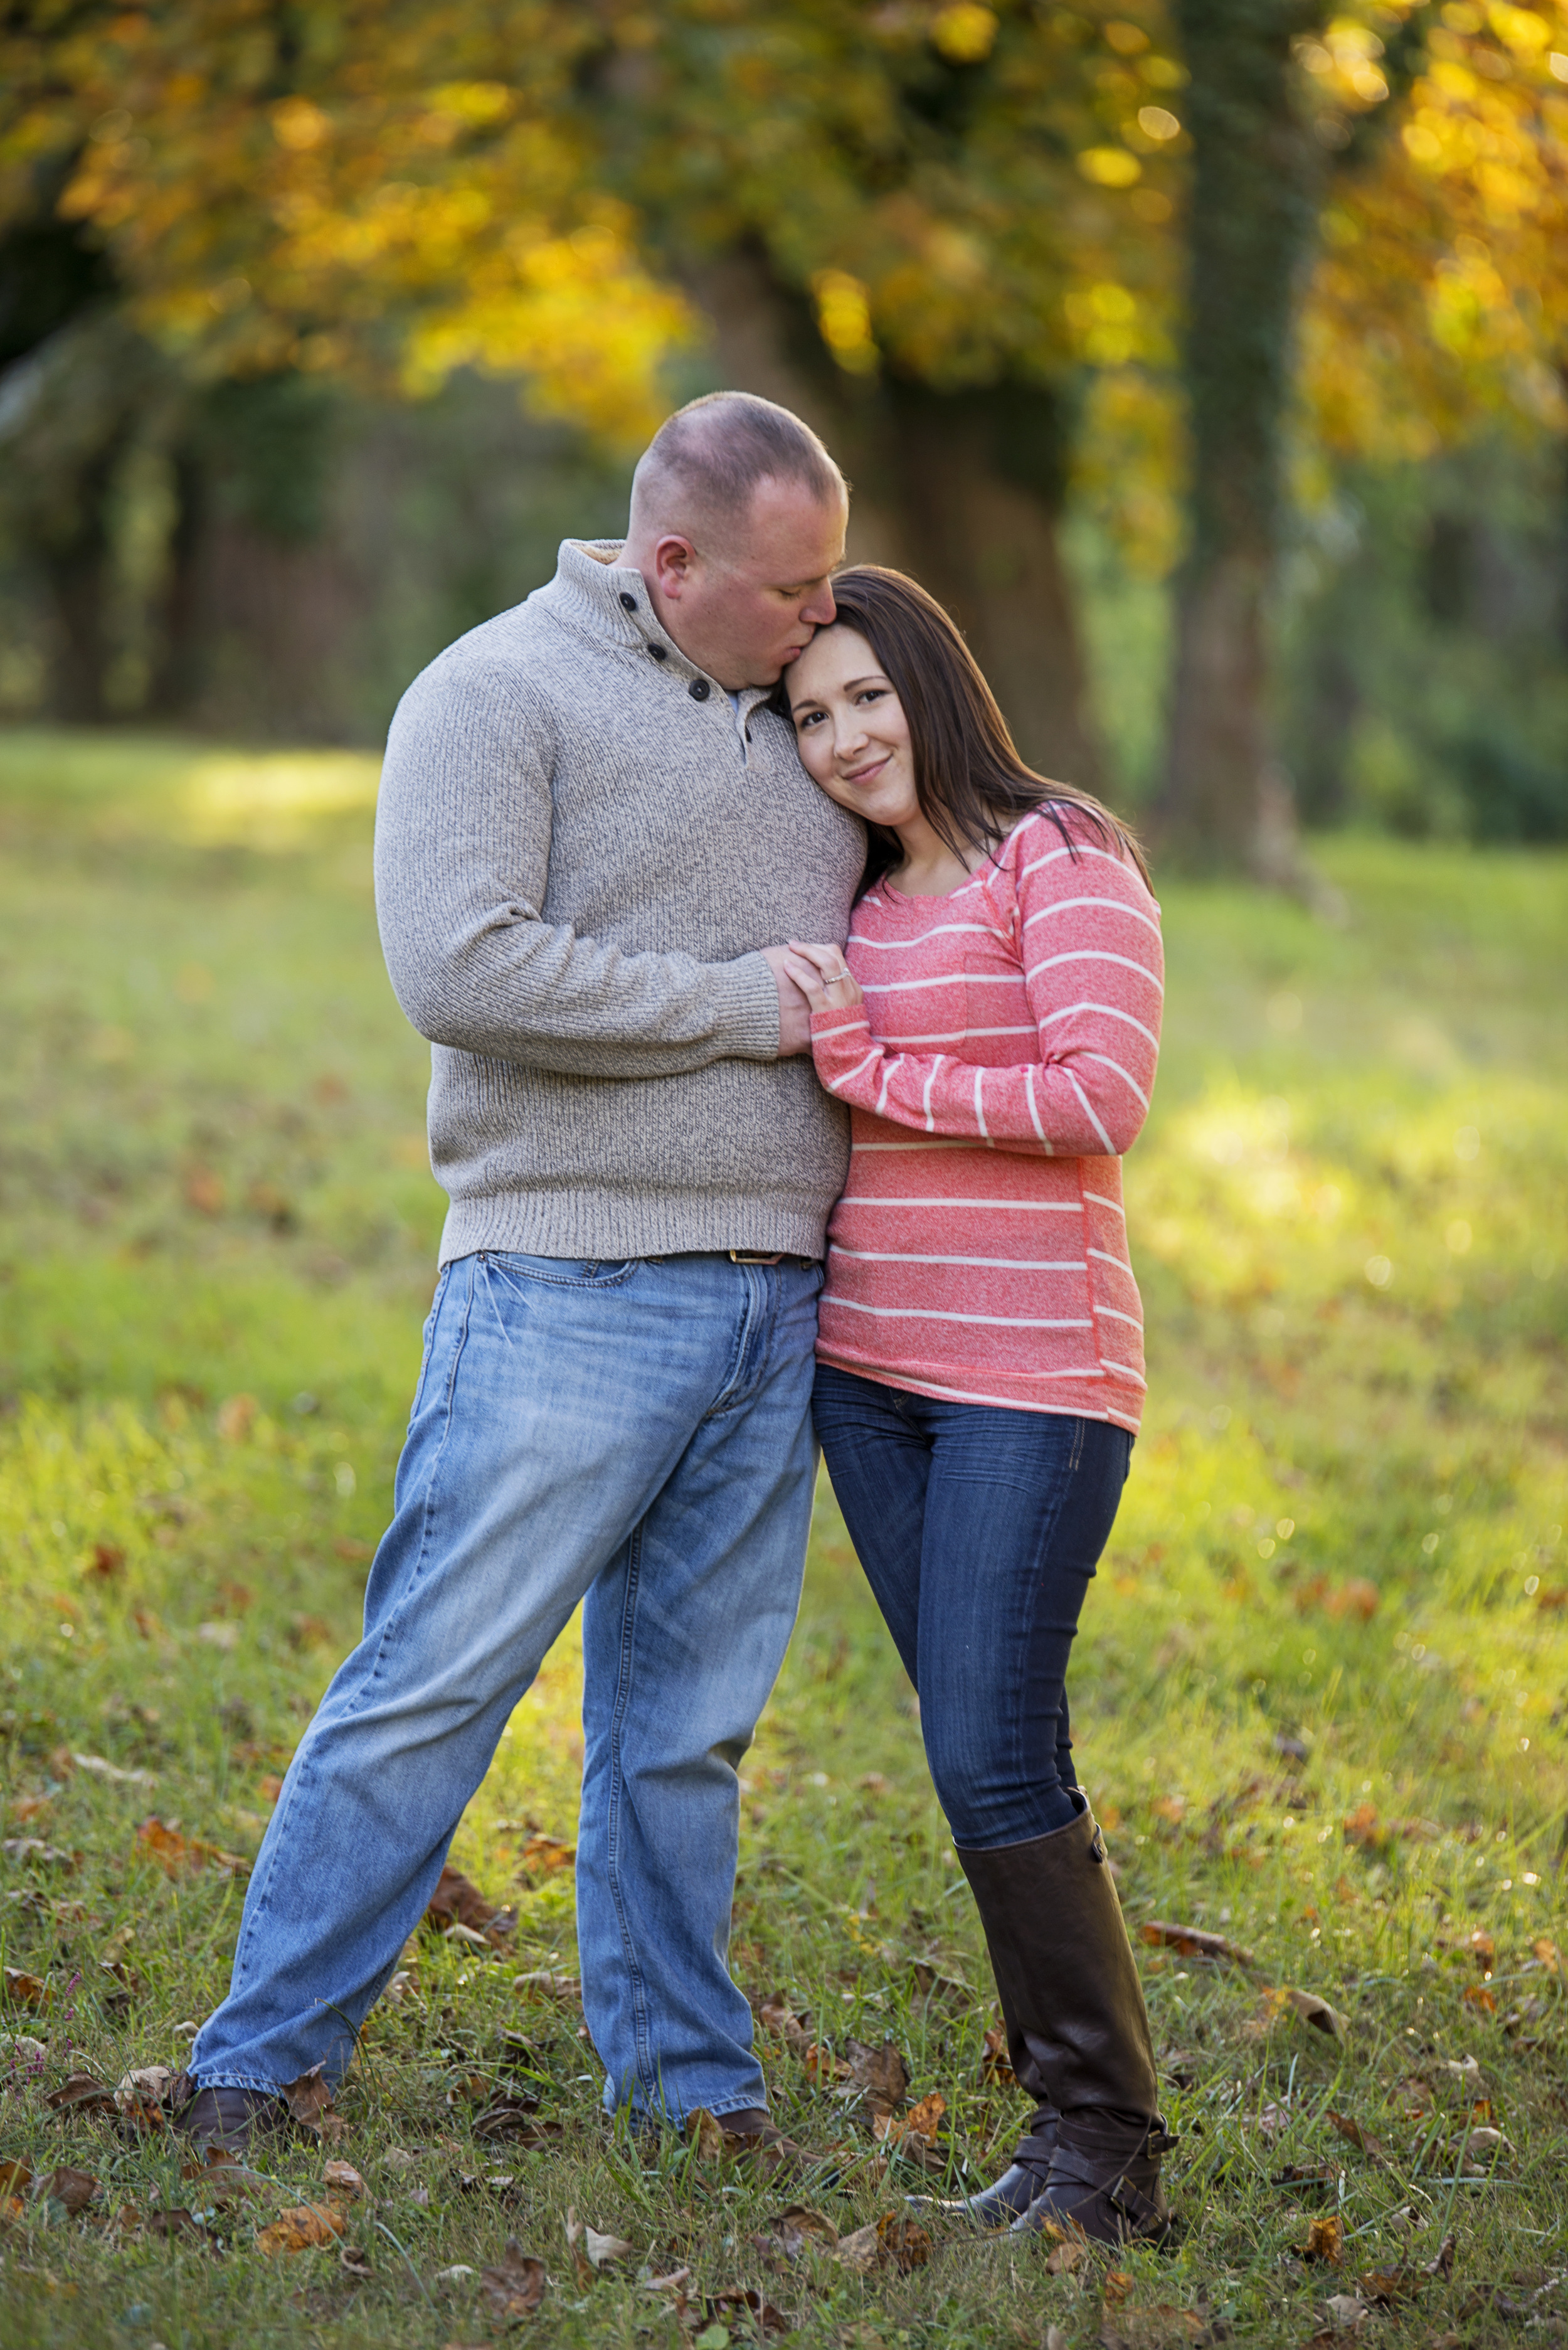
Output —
<point x="1319" y="1693"/>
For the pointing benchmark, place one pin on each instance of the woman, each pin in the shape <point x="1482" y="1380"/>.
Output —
<point x="994" y="1025"/>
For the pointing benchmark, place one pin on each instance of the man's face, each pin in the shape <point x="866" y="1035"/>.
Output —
<point x="744" y="609"/>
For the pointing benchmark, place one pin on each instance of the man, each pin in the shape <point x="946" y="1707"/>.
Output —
<point x="588" y="819"/>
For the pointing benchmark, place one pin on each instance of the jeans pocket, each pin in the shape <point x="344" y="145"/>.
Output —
<point x="561" y="1272"/>
<point x="428" y="1342"/>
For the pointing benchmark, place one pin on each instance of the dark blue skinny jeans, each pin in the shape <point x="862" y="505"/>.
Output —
<point x="979" y="1530"/>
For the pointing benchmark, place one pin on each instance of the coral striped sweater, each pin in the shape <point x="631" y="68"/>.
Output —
<point x="1000" y="1065"/>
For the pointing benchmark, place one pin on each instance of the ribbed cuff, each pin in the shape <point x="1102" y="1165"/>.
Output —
<point x="749" y="1001"/>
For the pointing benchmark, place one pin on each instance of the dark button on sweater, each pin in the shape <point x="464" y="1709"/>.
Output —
<point x="659" y="652"/>
<point x="629" y="601"/>
<point x="699" y="689"/>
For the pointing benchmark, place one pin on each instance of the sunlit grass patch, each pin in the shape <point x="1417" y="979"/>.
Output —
<point x="1320" y="1696"/>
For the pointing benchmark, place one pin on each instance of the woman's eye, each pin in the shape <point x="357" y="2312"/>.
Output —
<point x="872" y="693"/>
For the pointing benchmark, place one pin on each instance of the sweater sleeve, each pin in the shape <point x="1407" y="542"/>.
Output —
<point x="1088" y="933"/>
<point x="462" y="855"/>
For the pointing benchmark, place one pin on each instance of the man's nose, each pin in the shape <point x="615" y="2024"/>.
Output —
<point x="819" y="608"/>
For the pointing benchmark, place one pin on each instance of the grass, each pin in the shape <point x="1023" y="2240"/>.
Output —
<point x="1319" y="1699"/>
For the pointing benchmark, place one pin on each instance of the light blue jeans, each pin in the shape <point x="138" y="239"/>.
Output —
<point x="636" y="1433"/>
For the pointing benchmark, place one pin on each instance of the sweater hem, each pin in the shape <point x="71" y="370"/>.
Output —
<point x="998" y="1391"/>
<point x="598" y="1224"/>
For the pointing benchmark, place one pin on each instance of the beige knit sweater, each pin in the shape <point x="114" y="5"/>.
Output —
<point x="580" y="844"/>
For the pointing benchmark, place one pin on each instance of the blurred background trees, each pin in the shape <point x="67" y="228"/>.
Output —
<point x="1207" y="359"/>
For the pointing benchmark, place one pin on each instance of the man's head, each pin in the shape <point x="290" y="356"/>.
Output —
<point x="737" y="524"/>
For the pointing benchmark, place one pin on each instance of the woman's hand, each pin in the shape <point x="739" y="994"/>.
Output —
<point x="823" y="977"/>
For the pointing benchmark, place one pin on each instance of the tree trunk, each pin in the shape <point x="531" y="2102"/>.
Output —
<point x="1224" y="802"/>
<point x="76" y="556"/>
<point x="961" y="489"/>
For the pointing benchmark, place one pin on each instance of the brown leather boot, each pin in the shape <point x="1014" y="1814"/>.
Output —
<point x="1078" y="2029"/>
<point x="229" y="2118"/>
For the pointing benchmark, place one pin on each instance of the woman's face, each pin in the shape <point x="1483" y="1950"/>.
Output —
<point x="850" y="726"/>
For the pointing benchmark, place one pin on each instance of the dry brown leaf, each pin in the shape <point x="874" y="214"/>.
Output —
<point x="1549" y="1956"/>
<point x="996" y="2063"/>
<point x="1480" y="1996"/>
<point x="223" y="2179"/>
<point x="310" y="2107"/>
<point x="1482" y="1947"/>
<point x="1362" y="1827"/>
<point x="1070" y="2253"/>
<point x="343" y="2180"/>
<point x="177" y="2227"/>
<point x="1161" y="2326"/>
<point x="939" y="1990"/>
<point x="906" y="2245"/>
<point x="236" y="1415"/>
<point x="706" y="2133"/>
<point x="1382" y="2288"/>
<point x="880" y="2074"/>
<point x="1309" y="2008"/>
<point x="304" y="2228"/>
<point x="14" y="2177"/>
<point x="543" y="1855"/>
<point x="80" y="2093"/>
<point x="588" y="2245"/>
<point x="776" y="2015"/>
<point x="515" y="2286"/>
<point x="1117" y="2285"/>
<point x="738" y="2301"/>
<point x="1349" y="2127"/>
<point x="1193" y="1942"/>
<point x="23" y="1989"/>
<point x="1325" y="2239"/>
<point x="73" y="2188"/>
<point x="1356" y="1598"/>
<point x="161" y="1841"/>
<point x="922" y="2121"/>
<point x="797" y="2229"/>
<point x="541" y="1983"/>
<point x="860" y="2250"/>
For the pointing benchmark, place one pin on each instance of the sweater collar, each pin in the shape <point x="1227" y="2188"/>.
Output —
<point x="595" y="591"/>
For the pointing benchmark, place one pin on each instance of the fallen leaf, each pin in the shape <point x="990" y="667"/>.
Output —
<point x="921" y="2121"/>
<point x="303" y="2229"/>
<point x="797" y="2230"/>
<point x="175" y="1853"/>
<point x="38" y="1853"/>
<point x="1068" y="2254"/>
<point x="106" y="1561"/>
<point x="1308" y="2174"/>
<point x="1483" y="1949"/>
<point x="776" y="2015"/>
<point x="906" y="2245"/>
<point x="543" y="1855"/>
<point x="1362" y="1827"/>
<point x="1479" y="1995"/>
<point x="1356" y="1598"/>
<point x="745" y="2301"/>
<point x="1549" y="1956"/>
<point x="14" y="2177"/>
<point x="1347" y="2311"/>
<point x="177" y="2227"/>
<point x="601" y="2252"/>
<point x="880" y="2074"/>
<point x="1349" y="2127"/>
<point x="80" y="2093"/>
<point x="515" y="2286"/>
<point x="354" y="2260"/>
<point x="1161" y="2326"/>
<point x="706" y="2133"/>
<point x="225" y="2181"/>
<point x="996" y="2063"/>
<point x="860" y="2250"/>
<point x="1193" y="1942"/>
<point x="1325" y="2239"/>
<point x="541" y="1983"/>
<point x="236" y="1416"/>
<point x="507" y="2115"/>
<point x="310" y="2106"/>
<point x="73" y="2188"/>
<point x="457" y="1901"/>
<point x="1309" y="2008"/>
<point x="1442" y="2265"/>
<point x="1117" y="2285"/>
<point x="453" y="2275"/>
<point x="939" y="1990"/>
<point x="98" y="1768"/>
<point x="343" y="2179"/>
<point x="1383" y="2288"/>
<point x="22" y="1990"/>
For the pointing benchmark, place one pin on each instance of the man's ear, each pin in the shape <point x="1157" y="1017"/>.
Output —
<point x="674" y="561"/>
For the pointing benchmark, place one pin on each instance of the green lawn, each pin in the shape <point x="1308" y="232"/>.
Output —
<point x="1320" y="1699"/>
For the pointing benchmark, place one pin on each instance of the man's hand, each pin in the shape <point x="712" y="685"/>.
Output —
<point x="794" y="1012"/>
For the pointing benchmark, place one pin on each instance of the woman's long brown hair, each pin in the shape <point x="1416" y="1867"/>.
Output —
<point x="971" y="784"/>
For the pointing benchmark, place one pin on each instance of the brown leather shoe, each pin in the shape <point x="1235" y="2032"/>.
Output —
<point x="229" y="2118"/>
<point x="1078" y="2029"/>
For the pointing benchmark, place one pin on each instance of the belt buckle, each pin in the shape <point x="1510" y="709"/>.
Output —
<point x="755" y="1256"/>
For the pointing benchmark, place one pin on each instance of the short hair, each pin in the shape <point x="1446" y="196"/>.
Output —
<point x="707" y="462"/>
